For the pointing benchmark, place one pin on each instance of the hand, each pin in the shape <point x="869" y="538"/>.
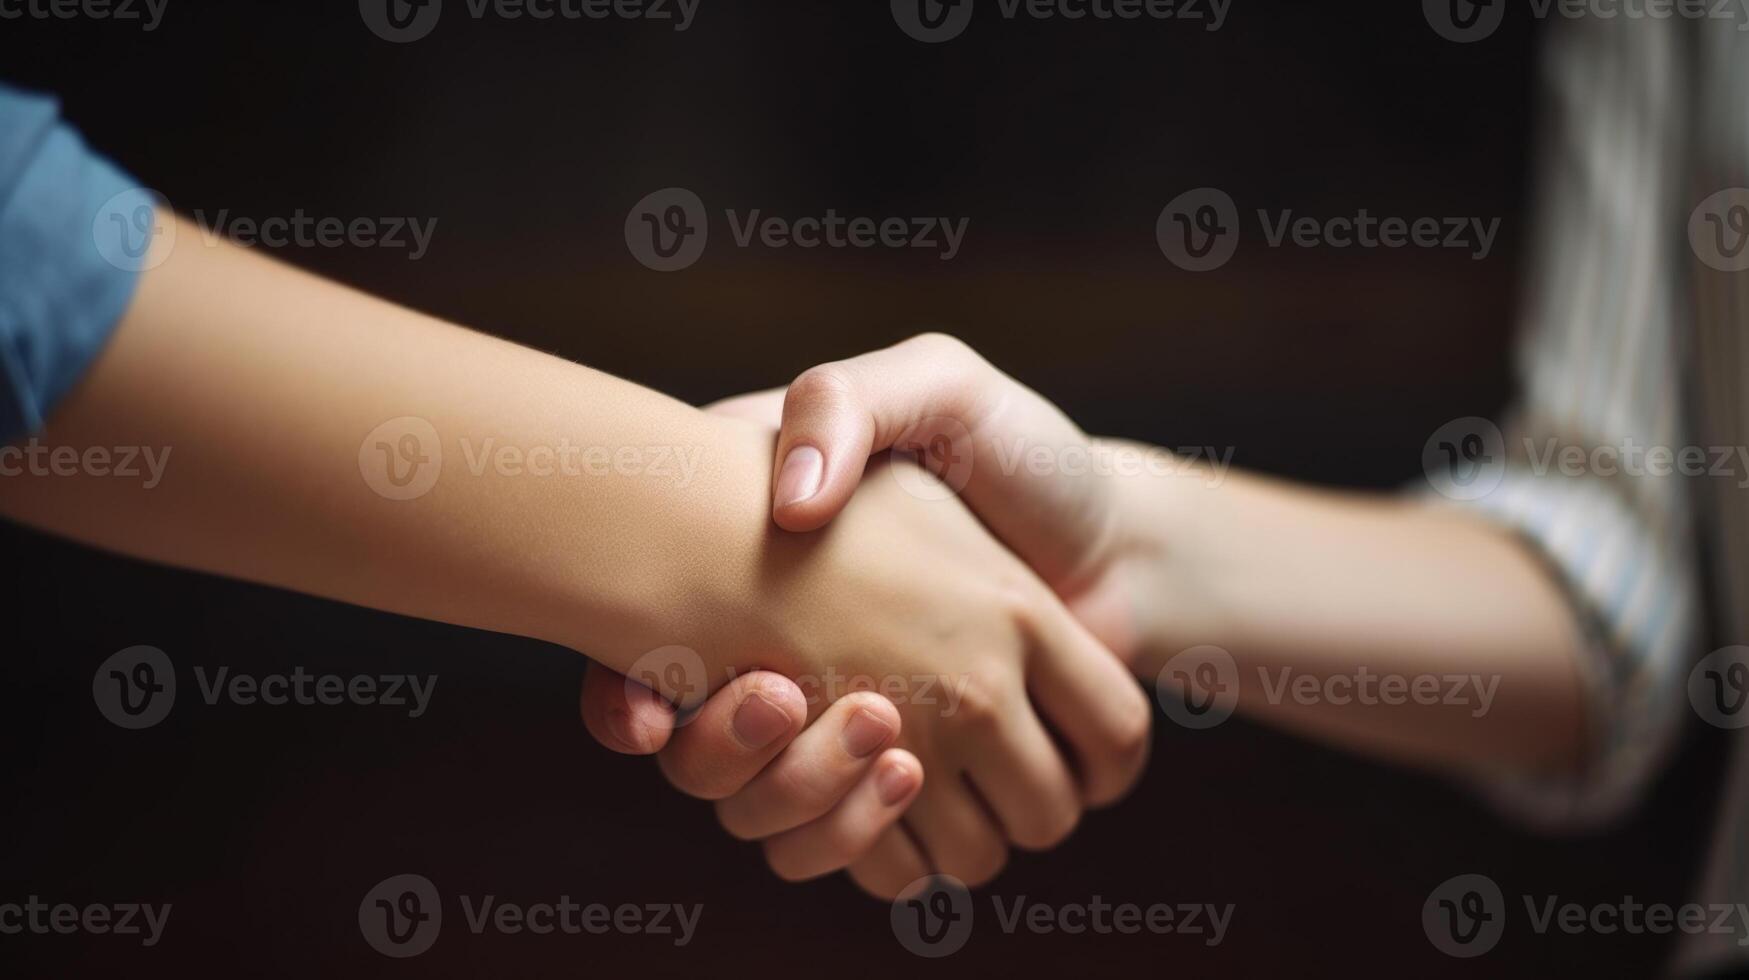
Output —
<point x="705" y="760"/>
<point x="1028" y="472"/>
<point x="741" y="749"/>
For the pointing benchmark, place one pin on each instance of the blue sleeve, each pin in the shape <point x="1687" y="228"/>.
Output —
<point x="67" y="271"/>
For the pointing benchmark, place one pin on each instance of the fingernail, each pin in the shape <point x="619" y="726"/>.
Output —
<point x="758" y="722"/>
<point x="800" y="477"/>
<point x="619" y="722"/>
<point x="865" y="734"/>
<point x="894" y="783"/>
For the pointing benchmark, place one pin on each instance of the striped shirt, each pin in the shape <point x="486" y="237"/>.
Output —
<point x="1632" y="341"/>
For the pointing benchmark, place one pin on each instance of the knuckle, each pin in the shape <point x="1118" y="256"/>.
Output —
<point x="939" y="343"/>
<point x="1051" y="828"/>
<point x="823" y="381"/>
<point x="789" y="864"/>
<point x="734" y="821"/>
<point x="686" y="777"/>
<point x="800" y="792"/>
<point x="1111" y="780"/>
<point x="979" y="865"/>
<point x="982" y="700"/>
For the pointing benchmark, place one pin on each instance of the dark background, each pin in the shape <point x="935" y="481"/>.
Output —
<point x="529" y="141"/>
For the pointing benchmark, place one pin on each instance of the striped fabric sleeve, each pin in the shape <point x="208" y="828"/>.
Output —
<point x="1585" y="481"/>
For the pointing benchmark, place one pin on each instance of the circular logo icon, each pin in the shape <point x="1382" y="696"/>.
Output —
<point x="1464" y="21"/>
<point x="932" y="917"/>
<point x="135" y="688"/>
<point x="1465" y="459"/>
<point x="667" y="230"/>
<point x="1718" y="687"/>
<point x="933" y="458"/>
<point x="676" y="673"/>
<point x="129" y="224"/>
<point x="401" y="916"/>
<point x="1199" y="229"/>
<point x="402" y="458"/>
<point x="1718" y="230"/>
<point x="932" y="21"/>
<point x="1199" y="688"/>
<point x="400" y="21"/>
<point x="1464" y="916"/>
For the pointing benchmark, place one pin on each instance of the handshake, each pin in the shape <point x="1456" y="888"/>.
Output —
<point x="898" y="668"/>
<point x="971" y="689"/>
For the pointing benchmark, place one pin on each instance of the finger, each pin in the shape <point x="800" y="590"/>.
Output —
<point x="764" y="407"/>
<point x="820" y="767"/>
<point x="622" y="715"/>
<point x="848" y="832"/>
<point x="836" y="414"/>
<point x="891" y="865"/>
<point x="1019" y="772"/>
<point x="734" y="734"/>
<point x="956" y="833"/>
<point x="1087" y="696"/>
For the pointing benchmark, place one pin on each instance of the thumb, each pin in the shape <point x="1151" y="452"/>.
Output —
<point x="623" y="715"/>
<point x="925" y="394"/>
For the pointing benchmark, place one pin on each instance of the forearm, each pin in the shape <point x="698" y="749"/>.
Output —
<point x="263" y="383"/>
<point x="1296" y="582"/>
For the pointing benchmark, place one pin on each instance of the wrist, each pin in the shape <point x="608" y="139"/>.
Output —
<point x="1158" y="550"/>
<point x="687" y="577"/>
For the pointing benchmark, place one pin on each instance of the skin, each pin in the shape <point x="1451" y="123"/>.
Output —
<point x="1323" y="582"/>
<point x="268" y="384"/>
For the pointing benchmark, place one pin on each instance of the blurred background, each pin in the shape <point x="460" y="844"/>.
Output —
<point x="527" y="142"/>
